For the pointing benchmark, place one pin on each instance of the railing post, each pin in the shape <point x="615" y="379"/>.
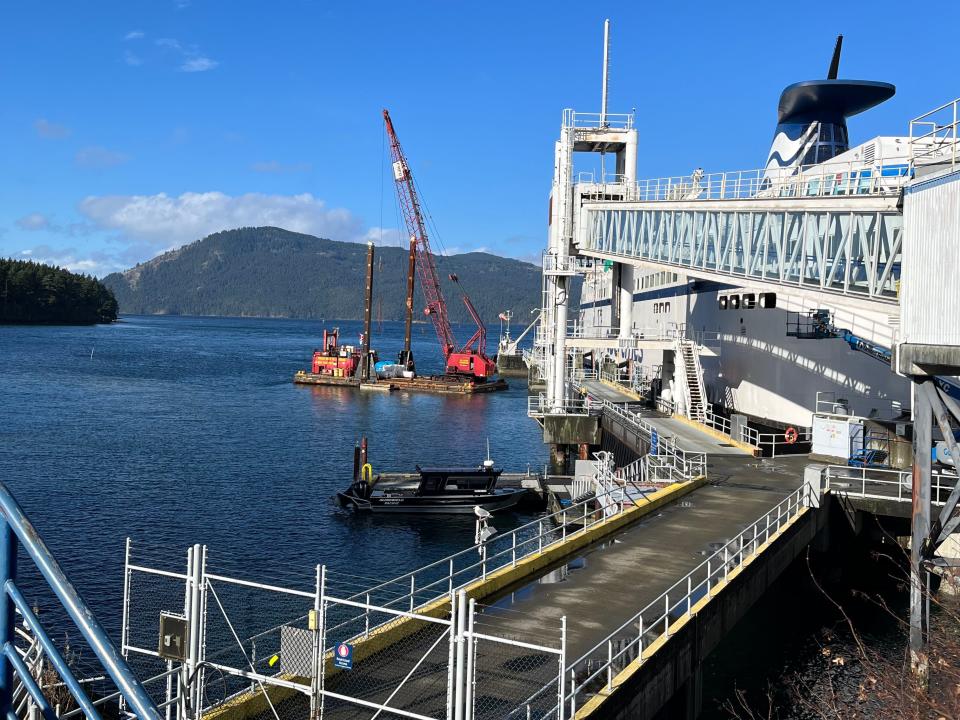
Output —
<point x="366" y="613"/>
<point x="413" y="586"/>
<point x="666" y="614"/>
<point x="540" y="536"/>
<point x="562" y="678"/>
<point x="8" y="573"/>
<point x="609" y="664"/>
<point x="513" y="562"/>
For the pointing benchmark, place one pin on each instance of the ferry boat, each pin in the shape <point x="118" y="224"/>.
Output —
<point x="755" y="365"/>
<point x="434" y="490"/>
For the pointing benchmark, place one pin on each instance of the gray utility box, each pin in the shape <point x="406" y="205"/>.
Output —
<point x="174" y="636"/>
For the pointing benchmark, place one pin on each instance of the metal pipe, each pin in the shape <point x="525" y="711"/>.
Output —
<point x="562" y="690"/>
<point x="10" y="656"/>
<point x="919" y="580"/>
<point x="461" y="622"/>
<point x="406" y="358"/>
<point x="606" y="72"/>
<point x="8" y="572"/>
<point x="468" y="704"/>
<point x="74" y="605"/>
<point x="367" y="308"/>
<point x="56" y="659"/>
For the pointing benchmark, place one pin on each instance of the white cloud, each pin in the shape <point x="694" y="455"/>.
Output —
<point x="98" y="157"/>
<point x="34" y="221"/>
<point x="93" y="263"/>
<point x="49" y="130"/>
<point x="132" y="59"/>
<point x="191" y="59"/>
<point x="456" y="250"/>
<point x="273" y="166"/>
<point x="134" y="35"/>
<point x="163" y="222"/>
<point x="198" y="64"/>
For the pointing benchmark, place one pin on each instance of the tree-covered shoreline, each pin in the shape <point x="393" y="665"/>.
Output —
<point x="32" y="293"/>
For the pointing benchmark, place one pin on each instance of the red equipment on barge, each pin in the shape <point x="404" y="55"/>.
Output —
<point x="334" y="359"/>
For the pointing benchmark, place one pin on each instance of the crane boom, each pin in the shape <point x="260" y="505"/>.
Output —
<point x="467" y="360"/>
<point x="413" y="218"/>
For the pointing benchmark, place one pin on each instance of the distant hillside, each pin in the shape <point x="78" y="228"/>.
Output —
<point x="34" y="293"/>
<point x="270" y="272"/>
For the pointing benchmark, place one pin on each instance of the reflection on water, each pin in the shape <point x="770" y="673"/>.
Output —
<point x="184" y="430"/>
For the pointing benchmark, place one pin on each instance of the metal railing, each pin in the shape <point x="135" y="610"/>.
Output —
<point x="17" y="530"/>
<point x="665" y="453"/>
<point x="879" y="484"/>
<point x="539" y="406"/>
<point x="933" y="135"/>
<point x="626" y="644"/>
<point x="563" y="265"/>
<point x="821" y="180"/>
<point x="596" y="121"/>
<point x="437" y="580"/>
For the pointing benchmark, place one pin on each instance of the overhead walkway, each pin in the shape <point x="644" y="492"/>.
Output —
<point x="835" y="235"/>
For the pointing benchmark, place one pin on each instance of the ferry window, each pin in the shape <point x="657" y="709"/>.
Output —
<point x="667" y="307"/>
<point x="734" y="302"/>
<point x="749" y="301"/>
<point x="722" y="302"/>
<point x="768" y="300"/>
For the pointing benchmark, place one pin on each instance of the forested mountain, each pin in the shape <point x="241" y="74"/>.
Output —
<point x="270" y="272"/>
<point x="33" y="293"/>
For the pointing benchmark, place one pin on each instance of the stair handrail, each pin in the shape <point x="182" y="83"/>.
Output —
<point x="16" y="529"/>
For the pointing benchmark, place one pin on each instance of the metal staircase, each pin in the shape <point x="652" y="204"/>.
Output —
<point x="693" y="381"/>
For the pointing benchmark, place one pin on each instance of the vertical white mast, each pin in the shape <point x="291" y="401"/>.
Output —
<point x="606" y="72"/>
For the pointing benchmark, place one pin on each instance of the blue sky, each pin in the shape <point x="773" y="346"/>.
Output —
<point x="133" y="127"/>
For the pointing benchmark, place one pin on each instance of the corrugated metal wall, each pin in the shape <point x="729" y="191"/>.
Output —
<point x="930" y="279"/>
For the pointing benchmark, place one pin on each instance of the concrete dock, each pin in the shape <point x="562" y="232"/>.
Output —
<point x="609" y="582"/>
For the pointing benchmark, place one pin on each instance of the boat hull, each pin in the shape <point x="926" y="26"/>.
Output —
<point x="496" y="502"/>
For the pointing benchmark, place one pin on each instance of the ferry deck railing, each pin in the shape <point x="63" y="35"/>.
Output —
<point x="933" y="135"/>
<point x="885" y="484"/>
<point x="806" y="181"/>
<point x="16" y="531"/>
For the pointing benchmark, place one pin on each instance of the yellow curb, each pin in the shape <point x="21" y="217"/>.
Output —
<point x="746" y="447"/>
<point x="251" y="704"/>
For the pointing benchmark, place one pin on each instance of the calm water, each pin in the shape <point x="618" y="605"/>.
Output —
<point x="182" y="430"/>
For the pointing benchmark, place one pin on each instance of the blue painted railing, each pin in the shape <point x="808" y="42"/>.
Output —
<point x="16" y="530"/>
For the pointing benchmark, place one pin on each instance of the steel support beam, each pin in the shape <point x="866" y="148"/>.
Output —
<point x="919" y="578"/>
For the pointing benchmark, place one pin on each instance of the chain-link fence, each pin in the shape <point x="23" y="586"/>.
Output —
<point x="400" y="661"/>
<point x="518" y="677"/>
<point x="257" y="641"/>
<point x="268" y="652"/>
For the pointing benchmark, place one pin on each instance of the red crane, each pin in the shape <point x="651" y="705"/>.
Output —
<point x="470" y="359"/>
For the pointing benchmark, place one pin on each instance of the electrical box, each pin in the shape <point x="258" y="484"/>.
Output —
<point x="313" y="620"/>
<point x="174" y="635"/>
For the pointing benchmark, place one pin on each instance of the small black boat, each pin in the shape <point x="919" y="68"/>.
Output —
<point x="434" y="490"/>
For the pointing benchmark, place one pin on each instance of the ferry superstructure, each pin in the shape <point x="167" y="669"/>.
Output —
<point x="744" y="292"/>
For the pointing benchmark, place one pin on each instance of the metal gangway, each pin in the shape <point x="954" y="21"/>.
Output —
<point x="829" y="229"/>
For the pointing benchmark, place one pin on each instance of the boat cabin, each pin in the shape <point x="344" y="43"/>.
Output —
<point x="434" y="481"/>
